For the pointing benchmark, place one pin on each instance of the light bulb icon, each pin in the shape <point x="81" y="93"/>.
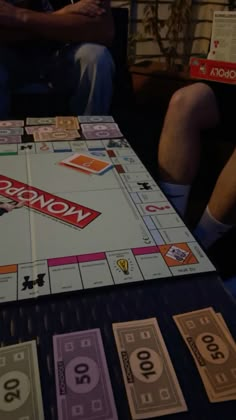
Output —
<point x="123" y="264"/>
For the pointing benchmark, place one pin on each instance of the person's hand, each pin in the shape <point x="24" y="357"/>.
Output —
<point x="91" y="8"/>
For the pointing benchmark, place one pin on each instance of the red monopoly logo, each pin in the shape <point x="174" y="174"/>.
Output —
<point x="219" y="71"/>
<point x="223" y="73"/>
<point x="46" y="203"/>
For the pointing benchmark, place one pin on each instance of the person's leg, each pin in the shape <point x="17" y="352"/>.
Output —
<point x="220" y="215"/>
<point x="191" y="110"/>
<point x="86" y="73"/>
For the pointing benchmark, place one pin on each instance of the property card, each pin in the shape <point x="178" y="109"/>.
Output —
<point x="88" y="162"/>
<point x="20" y="390"/>
<point x="151" y="384"/>
<point x="213" y="350"/>
<point x="83" y="385"/>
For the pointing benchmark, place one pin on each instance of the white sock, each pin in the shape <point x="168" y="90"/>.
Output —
<point x="209" y="229"/>
<point x="177" y="194"/>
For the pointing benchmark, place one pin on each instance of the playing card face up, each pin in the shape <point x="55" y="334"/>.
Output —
<point x="88" y="163"/>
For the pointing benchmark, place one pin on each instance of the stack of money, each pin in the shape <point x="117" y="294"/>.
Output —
<point x="53" y="129"/>
<point x="11" y="131"/>
<point x="213" y="349"/>
<point x="83" y="385"/>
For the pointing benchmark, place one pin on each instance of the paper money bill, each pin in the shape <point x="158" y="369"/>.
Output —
<point x="233" y="395"/>
<point x="100" y="127"/>
<point x="20" y="391"/>
<point x="102" y="130"/>
<point x="11" y="131"/>
<point x="213" y="350"/>
<point x="151" y="384"/>
<point x="67" y="123"/>
<point x="10" y="139"/>
<point x="41" y="121"/>
<point x="108" y="134"/>
<point x="82" y="379"/>
<point x="12" y="123"/>
<point x="95" y="118"/>
<point x="40" y="128"/>
<point x="56" y="135"/>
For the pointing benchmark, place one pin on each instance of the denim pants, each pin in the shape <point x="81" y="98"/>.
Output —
<point x="84" y="72"/>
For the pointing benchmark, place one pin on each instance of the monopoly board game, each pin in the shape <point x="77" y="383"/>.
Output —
<point x="85" y="213"/>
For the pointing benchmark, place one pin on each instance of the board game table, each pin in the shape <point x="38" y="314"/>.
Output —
<point x="110" y="240"/>
<point x="100" y="308"/>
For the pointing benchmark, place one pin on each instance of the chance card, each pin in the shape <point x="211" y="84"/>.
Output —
<point x="88" y="162"/>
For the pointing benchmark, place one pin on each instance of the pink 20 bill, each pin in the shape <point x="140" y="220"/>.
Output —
<point x="83" y="384"/>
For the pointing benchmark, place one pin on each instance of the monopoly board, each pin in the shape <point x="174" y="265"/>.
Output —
<point x="65" y="229"/>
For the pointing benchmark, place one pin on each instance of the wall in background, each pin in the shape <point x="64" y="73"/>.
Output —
<point x="169" y="31"/>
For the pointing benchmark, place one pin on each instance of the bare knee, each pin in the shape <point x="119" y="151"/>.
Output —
<point x="195" y="104"/>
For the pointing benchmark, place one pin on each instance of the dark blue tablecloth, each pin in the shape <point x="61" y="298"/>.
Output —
<point x="99" y="308"/>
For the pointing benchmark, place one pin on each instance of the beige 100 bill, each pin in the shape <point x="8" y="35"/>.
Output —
<point x="20" y="391"/>
<point x="213" y="350"/>
<point x="150" y="380"/>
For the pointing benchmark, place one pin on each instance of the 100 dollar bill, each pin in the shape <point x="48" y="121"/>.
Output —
<point x="151" y="384"/>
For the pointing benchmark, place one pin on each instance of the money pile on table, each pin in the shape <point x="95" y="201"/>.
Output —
<point x="83" y="386"/>
<point x="58" y="129"/>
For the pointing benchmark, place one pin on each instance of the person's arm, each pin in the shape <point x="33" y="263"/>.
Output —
<point x="66" y="25"/>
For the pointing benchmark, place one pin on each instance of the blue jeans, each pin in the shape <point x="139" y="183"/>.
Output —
<point x="84" y="72"/>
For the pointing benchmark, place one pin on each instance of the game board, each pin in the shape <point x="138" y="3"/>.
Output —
<point x="69" y="229"/>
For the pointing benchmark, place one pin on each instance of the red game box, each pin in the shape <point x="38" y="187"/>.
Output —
<point x="218" y="71"/>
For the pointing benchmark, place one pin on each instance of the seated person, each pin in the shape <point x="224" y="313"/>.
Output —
<point x="192" y="109"/>
<point x="67" y="49"/>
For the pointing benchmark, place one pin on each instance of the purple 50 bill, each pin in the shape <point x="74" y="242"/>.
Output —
<point x="83" y="384"/>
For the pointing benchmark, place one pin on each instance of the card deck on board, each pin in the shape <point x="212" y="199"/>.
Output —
<point x="89" y="163"/>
